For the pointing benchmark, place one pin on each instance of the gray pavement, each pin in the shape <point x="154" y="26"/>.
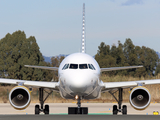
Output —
<point x="62" y="109"/>
<point x="79" y="117"/>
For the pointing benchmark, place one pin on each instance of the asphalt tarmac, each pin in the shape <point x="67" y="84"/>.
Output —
<point x="97" y="111"/>
<point x="93" y="109"/>
<point x="79" y="117"/>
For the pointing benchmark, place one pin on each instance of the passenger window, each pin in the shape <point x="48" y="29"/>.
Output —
<point x="83" y="66"/>
<point x="73" y="66"/>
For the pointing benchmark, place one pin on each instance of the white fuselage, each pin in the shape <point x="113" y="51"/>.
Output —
<point x="79" y="75"/>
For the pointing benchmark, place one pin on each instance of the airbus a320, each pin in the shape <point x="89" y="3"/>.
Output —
<point x="79" y="78"/>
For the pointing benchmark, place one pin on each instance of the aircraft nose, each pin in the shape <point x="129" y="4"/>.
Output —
<point x="78" y="89"/>
<point x="79" y="82"/>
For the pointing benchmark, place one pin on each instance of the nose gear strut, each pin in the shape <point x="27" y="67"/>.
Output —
<point x="79" y="105"/>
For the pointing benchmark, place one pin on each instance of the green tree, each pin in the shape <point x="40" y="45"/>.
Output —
<point x="16" y="51"/>
<point x="128" y="54"/>
<point x="55" y="62"/>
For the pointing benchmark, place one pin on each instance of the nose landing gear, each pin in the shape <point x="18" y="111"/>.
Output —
<point x="78" y="109"/>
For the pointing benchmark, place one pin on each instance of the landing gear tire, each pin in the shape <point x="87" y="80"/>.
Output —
<point x="115" y="110"/>
<point x="42" y="99"/>
<point x="46" y="109"/>
<point x="75" y="110"/>
<point x="124" y="110"/>
<point x="37" y="110"/>
<point x="78" y="109"/>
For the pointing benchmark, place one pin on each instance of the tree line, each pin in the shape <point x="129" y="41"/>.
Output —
<point x="128" y="54"/>
<point x="16" y="51"/>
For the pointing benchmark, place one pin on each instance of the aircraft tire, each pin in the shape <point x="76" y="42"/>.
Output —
<point x="46" y="109"/>
<point x="124" y="110"/>
<point x="115" y="110"/>
<point x="37" y="111"/>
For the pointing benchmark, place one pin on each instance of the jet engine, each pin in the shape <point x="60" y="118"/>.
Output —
<point x="140" y="98"/>
<point x="19" y="97"/>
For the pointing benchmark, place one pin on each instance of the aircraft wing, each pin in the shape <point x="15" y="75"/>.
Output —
<point x="107" y="86"/>
<point x="119" y="68"/>
<point x="37" y="84"/>
<point x="42" y="67"/>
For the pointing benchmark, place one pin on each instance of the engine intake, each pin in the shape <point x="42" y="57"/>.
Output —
<point x="19" y="97"/>
<point x="140" y="98"/>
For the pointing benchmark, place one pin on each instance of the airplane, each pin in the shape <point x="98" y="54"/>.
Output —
<point x="79" y="78"/>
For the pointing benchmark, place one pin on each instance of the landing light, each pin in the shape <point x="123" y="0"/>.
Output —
<point x="76" y="97"/>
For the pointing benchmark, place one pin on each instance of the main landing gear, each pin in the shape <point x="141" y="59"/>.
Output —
<point x="120" y="108"/>
<point x="78" y="109"/>
<point x="40" y="108"/>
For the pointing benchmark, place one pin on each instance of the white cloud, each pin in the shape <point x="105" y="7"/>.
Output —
<point x="132" y="2"/>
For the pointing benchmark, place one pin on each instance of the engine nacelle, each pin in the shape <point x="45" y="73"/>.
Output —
<point x="140" y="98"/>
<point x="19" y="97"/>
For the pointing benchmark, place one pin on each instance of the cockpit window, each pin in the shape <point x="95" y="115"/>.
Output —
<point x="91" y="67"/>
<point x="65" y="66"/>
<point x="83" y="66"/>
<point x="73" y="66"/>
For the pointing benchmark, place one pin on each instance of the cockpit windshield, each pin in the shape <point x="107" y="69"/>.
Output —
<point x="73" y="66"/>
<point x="78" y="66"/>
<point x="83" y="66"/>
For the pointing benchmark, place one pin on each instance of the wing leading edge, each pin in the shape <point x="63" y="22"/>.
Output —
<point x="37" y="84"/>
<point x="107" y="86"/>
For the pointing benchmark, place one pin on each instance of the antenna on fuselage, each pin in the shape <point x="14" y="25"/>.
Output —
<point x="83" y="30"/>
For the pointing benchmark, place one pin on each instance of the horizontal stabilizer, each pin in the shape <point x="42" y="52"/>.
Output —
<point x="42" y="67"/>
<point x="119" y="68"/>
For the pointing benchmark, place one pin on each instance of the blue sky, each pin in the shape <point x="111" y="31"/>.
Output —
<point x="57" y="24"/>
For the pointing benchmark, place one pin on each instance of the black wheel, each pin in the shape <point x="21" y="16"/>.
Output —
<point x="37" y="111"/>
<point x="115" y="110"/>
<point x="124" y="110"/>
<point x="72" y="110"/>
<point x="46" y="109"/>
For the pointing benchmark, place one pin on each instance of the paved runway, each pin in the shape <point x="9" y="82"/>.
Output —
<point x="79" y="117"/>
<point x="97" y="111"/>
<point x="93" y="109"/>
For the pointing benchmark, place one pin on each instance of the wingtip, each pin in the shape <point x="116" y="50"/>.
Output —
<point x="26" y="65"/>
<point x="140" y="66"/>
